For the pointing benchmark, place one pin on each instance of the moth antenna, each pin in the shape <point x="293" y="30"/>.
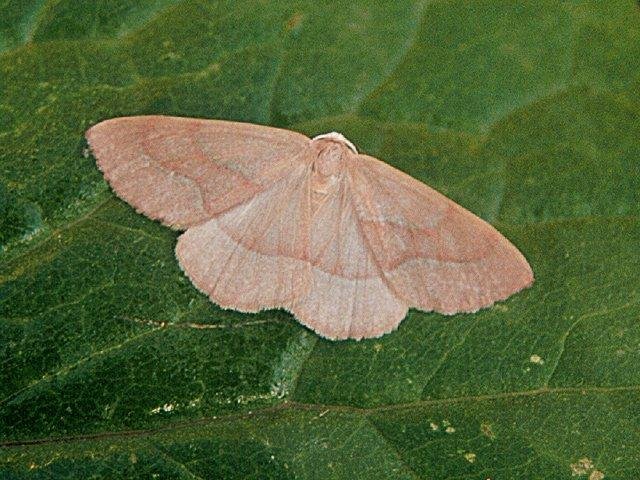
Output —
<point x="338" y="137"/>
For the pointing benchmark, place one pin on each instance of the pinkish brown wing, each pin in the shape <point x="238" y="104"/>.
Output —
<point x="255" y="255"/>
<point x="347" y="298"/>
<point x="434" y="254"/>
<point x="183" y="171"/>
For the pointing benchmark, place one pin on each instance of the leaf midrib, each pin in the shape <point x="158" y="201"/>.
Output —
<point x="338" y="408"/>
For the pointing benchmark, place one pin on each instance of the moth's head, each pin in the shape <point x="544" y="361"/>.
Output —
<point x="332" y="150"/>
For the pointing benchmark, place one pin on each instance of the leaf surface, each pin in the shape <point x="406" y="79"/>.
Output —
<point x="112" y="364"/>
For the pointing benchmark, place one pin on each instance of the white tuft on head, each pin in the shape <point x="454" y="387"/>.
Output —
<point x="338" y="137"/>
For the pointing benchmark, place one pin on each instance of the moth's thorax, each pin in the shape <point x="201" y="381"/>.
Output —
<point x="332" y="153"/>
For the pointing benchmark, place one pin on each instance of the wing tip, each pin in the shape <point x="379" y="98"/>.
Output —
<point x="102" y="126"/>
<point x="526" y="281"/>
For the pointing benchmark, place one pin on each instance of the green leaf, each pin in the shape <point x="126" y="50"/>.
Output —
<point x="526" y="113"/>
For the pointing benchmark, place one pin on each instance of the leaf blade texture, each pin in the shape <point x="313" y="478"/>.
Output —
<point x="525" y="115"/>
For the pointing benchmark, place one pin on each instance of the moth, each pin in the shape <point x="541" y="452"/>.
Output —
<point x="274" y="219"/>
